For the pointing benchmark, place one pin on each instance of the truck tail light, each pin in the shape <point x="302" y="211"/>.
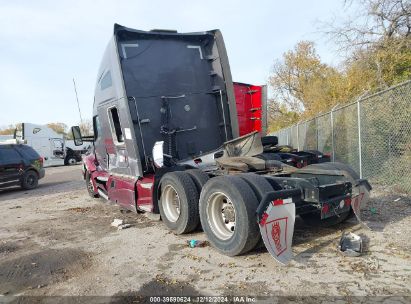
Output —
<point x="282" y="201"/>
<point x="347" y="201"/>
<point x="41" y="160"/>
<point x="277" y="202"/>
<point x="325" y="208"/>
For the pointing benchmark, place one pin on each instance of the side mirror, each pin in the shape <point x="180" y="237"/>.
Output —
<point x="158" y="155"/>
<point x="78" y="139"/>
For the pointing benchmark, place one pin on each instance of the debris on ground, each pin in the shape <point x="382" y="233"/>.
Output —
<point x="15" y="207"/>
<point x="123" y="226"/>
<point x="120" y="224"/>
<point x="351" y="244"/>
<point x="197" y="243"/>
<point x="117" y="222"/>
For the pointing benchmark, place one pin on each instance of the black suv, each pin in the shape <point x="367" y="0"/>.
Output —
<point x="20" y="165"/>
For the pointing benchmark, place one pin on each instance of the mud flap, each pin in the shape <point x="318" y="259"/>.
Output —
<point x="360" y="198"/>
<point x="276" y="217"/>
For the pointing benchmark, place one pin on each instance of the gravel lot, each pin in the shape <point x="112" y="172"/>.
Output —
<point x="56" y="240"/>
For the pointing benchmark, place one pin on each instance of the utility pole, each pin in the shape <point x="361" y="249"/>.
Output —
<point x="78" y="104"/>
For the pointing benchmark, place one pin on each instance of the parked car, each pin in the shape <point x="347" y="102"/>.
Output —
<point x="20" y="165"/>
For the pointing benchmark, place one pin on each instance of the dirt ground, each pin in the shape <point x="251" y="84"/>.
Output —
<point x="56" y="240"/>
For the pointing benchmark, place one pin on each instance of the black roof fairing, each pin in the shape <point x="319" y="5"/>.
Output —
<point x="179" y="90"/>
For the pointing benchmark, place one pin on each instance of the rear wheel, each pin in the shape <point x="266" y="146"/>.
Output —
<point x="30" y="180"/>
<point x="199" y="178"/>
<point x="71" y="160"/>
<point x="260" y="187"/>
<point x="227" y="213"/>
<point x="178" y="203"/>
<point x="258" y="183"/>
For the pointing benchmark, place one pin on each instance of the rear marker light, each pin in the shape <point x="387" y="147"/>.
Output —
<point x="278" y="202"/>
<point x="264" y="218"/>
<point x="325" y="208"/>
<point x="282" y="201"/>
<point x="347" y="201"/>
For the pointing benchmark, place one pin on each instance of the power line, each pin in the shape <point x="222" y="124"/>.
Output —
<point x="78" y="104"/>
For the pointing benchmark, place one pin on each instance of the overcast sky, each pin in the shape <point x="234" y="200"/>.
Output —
<point x="44" y="44"/>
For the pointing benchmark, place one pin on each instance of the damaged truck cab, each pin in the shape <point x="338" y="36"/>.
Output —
<point x="136" y="105"/>
<point x="166" y="141"/>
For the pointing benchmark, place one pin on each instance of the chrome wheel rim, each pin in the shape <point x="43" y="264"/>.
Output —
<point x="72" y="161"/>
<point x="171" y="203"/>
<point x="221" y="215"/>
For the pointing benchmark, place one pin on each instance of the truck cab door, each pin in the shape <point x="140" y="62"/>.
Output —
<point x="57" y="153"/>
<point x="121" y="184"/>
<point x="100" y="138"/>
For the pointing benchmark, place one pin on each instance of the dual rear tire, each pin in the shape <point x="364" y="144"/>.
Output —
<point x="226" y="207"/>
<point x="227" y="212"/>
<point x="179" y="200"/>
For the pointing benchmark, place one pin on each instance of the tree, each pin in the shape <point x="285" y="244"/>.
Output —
<point x="378" y="39"/>
<point x="377" y="44"/>
<point x="58" y="127"/>
<point x="9" y="130"/>
<point x="305" y="85"/>
<point x="86" y="127"/>
<point x="375" y="21"/>
<point x="279" y="116"/>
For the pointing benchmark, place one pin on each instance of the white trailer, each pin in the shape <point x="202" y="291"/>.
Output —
<point x="48" y="143"/>
<point x="52" y="146"/>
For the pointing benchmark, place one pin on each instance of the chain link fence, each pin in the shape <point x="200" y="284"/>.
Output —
<point x="372" y="135"/>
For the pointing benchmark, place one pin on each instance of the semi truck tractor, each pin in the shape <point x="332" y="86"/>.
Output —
<point x="166" y="140"/>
